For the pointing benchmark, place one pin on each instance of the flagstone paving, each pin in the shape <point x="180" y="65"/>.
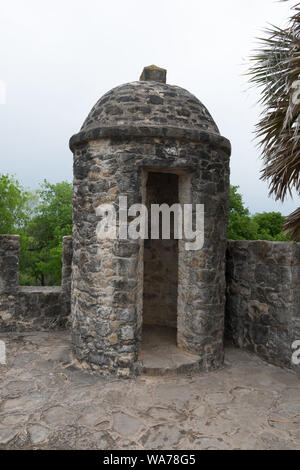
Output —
<point x="46" y="402"/>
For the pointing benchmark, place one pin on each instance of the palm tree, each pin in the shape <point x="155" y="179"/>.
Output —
<point x="276" y="70"/>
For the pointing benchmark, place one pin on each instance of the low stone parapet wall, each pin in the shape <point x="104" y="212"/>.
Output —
<point x="33" y="308"/>
<point x="263" y="298"/>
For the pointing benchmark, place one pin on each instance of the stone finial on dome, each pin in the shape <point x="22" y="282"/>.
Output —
<point x="152" y="73"/>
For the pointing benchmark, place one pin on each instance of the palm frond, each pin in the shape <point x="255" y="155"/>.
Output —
<point x="292" y="226"/>
<point x="276" y="70"/>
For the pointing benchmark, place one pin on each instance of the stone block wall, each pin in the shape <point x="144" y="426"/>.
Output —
<point x="263" y="298"/>
<point x="33" y="308"/>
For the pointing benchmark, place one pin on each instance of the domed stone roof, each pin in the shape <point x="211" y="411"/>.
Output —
<point x="148" y="107"/>
<point x="148" y="103"/>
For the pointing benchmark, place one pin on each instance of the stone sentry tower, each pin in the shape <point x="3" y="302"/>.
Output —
<point x="154" y="143"/>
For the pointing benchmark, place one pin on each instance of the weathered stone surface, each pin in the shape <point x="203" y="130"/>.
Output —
<point x="263" y="298"/>
<point x="161" y="436"/>
<point x="7" y="435"/>
<point x="95" y="441"/>
<point x="246" y="405"/>
<point x="38" y="433"/>
<point x="92" y="416"/>
<point x="58" y="415"/>
<point x="125" y="424"/>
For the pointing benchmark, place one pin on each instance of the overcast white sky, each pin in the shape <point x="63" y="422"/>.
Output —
<point x="58" y="57"/>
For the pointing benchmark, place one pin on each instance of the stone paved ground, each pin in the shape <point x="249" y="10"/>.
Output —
<point x="47" y="405"/>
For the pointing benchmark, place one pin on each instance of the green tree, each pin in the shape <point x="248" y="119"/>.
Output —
<point x="270" y="226"/>
<point x="241" y="225"/>
<point x="244" y="226"/>
<point x="40" y="261"/>
<point x="16" y="205"/>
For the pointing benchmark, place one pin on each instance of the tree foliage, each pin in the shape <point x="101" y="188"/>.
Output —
<point x="244" y="226"/>
<point x="270" y="226"/>
<point x="51" y="220"/>
<point x="15" y="205"/>
<point x="240" y="223"/>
